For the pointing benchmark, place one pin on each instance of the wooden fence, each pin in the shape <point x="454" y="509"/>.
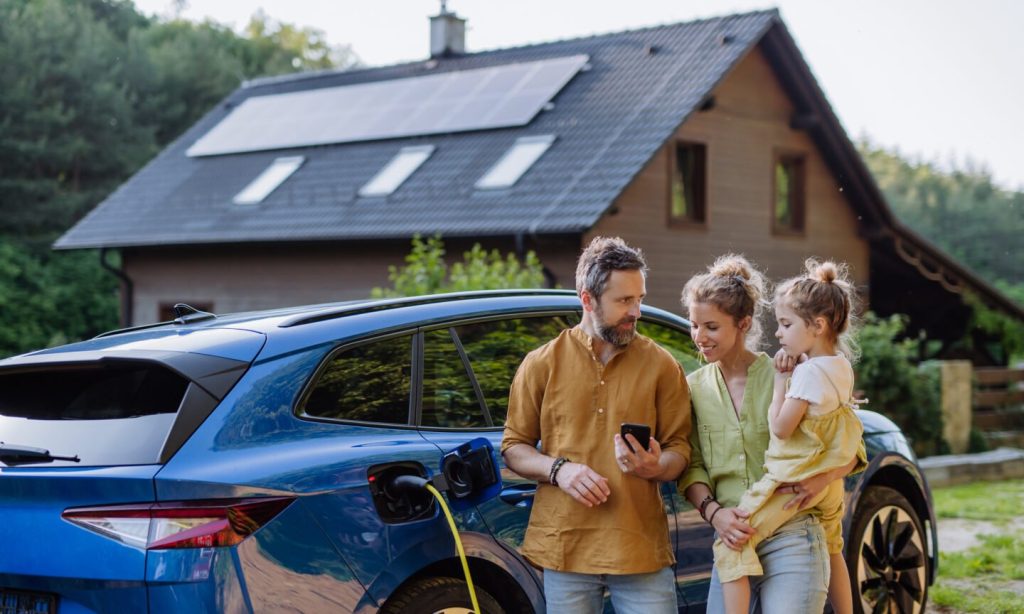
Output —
<point x="998" y="405"/>
<point x="998" y="387"/>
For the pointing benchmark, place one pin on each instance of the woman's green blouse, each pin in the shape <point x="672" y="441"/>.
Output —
<point x="728" y="451"/>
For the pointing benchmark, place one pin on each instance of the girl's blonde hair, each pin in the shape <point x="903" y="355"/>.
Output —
<point x="825" y="291"/>
<point x="736" y="287"/>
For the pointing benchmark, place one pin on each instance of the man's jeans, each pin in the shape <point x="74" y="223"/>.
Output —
<point x="641" y="593"/>
<point x="796" y="572"/>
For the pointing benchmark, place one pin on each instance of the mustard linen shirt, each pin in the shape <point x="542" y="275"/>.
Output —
<point x="563" y="397"/>
<point x="729" y="451"/>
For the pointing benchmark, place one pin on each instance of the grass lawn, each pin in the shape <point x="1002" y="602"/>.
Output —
<point x="988" y="577"/>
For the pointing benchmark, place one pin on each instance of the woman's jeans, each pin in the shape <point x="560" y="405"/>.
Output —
<point x="796" y="572"/>
<point x="640" y="593"/>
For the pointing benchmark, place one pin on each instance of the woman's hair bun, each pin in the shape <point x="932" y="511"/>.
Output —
<point x="731" y="265"/>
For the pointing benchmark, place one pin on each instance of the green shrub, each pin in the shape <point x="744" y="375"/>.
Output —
<point x="897" y="387"/>
<point x="426" y="272"/>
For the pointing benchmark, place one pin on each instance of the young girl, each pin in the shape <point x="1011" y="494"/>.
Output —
<point x="813" y="427"/>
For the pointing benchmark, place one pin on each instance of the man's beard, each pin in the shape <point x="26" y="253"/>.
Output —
<point x="612" y="334"/>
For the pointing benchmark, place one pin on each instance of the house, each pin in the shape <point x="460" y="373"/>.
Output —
<point x="688" y="140"/>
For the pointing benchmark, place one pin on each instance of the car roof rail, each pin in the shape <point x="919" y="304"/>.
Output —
<point x="338" y="311"/>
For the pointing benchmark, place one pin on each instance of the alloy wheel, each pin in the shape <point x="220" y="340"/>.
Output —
<point x="892" y="566"/>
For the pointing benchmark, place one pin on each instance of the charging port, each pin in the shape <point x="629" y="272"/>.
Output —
<point x="399" y="505"/>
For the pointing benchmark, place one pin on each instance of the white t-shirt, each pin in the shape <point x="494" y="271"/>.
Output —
<point x="810" y="382"/>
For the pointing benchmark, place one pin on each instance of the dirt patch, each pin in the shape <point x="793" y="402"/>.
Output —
<point x="958" y="534"/>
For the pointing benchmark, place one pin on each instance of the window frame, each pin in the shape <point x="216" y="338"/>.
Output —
<point x="399" y="169"/>
<point x="451" y="325"/>
<point x="700" y="190"/>
<point x="797" y="199"/>
<point x="416" y="341"/>
<point x="515" y="162"/>
<point x="416" y="332"/>
<point x="270" y="179"/>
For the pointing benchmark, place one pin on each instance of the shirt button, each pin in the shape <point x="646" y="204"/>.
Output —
<point x="602" y="382"/>
<point x="600" y="410"/>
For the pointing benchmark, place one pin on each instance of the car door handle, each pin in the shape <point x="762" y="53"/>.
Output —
<point x="520" y="495"/>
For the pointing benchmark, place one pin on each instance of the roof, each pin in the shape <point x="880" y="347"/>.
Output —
<point x="638" y="87"/>
<point x="608" y="121"/>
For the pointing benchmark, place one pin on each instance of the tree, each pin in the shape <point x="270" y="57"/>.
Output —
<point x="425" y="271"/>
<point x="91" y="91"/>
<point x="961" y="210"/>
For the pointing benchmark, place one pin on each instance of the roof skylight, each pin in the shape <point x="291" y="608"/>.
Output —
<point x="269" y="180"/>
<point x="400" y="168"/>
<point x="516" y="161"/>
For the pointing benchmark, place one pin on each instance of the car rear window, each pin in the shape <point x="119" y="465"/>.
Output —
<point x="110" y="414"/>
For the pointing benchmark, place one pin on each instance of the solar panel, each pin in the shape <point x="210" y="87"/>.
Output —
<point x="478" y="99"/>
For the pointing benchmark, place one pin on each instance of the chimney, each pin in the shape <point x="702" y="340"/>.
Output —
<point x="447" y="33"/>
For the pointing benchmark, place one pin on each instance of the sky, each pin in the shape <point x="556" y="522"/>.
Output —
<point x="942" y="81"/>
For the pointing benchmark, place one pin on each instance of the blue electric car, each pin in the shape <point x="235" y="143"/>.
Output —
<point x="247" y="463"/>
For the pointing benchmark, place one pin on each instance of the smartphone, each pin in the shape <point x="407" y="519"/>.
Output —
<point x="642" y="432"/>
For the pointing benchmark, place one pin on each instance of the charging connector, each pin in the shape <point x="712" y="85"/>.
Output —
<point x="406" y="483"/>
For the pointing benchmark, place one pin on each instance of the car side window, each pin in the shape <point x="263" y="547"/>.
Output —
<point x="496" y="348"/>
<point x="675" y="340"/>
<point x="367" y="383"/>
<point x="449" y="399"/>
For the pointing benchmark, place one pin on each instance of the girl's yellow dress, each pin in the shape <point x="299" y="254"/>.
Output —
<point x="827" y="438"/>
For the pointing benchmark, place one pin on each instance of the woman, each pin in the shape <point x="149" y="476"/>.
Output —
<point x="730" y="397"/>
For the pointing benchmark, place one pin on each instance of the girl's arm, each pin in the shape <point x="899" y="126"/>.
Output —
<point x="784" y="414"/>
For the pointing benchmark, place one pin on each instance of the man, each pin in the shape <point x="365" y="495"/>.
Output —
<point x="598" y="520"/>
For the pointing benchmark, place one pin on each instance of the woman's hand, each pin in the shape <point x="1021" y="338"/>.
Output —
<point x="731" y="525"/>
<point x="805" y="490"/>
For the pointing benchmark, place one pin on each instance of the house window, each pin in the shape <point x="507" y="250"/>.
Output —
<point x="788" y="205"/>
<point x="400" y="168"/>
<point x="516" y="161"/>
<point x="268" y="181"/>
<point x="688" y="196"/>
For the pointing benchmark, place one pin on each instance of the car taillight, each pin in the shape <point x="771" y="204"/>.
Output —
<point x="185" y="524"/>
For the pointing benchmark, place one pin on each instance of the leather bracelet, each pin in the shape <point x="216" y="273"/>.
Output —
<point x="711" y="520"/>
<point x="555" y="466"/>
<point x="704" y="504"/>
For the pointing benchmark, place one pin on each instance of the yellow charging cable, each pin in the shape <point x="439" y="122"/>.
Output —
<point x="458" y="545"/>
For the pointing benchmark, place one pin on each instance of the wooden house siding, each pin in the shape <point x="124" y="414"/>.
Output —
<point x="746" y="128"/>
<point x="248" y="277"/>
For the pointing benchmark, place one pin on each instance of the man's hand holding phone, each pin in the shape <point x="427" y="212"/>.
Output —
<point x="637" y="452"/>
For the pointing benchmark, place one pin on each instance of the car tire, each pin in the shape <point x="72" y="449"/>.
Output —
<point x="886" y="554"/>
<point x="440" y="595"/>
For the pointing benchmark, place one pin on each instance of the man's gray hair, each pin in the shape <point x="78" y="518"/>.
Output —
<point x="600" y="258"/>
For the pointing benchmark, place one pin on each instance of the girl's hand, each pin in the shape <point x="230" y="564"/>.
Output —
<point x="805" y="490"/>
<point x="784" y="363"/>
<point x="731" y="525"/>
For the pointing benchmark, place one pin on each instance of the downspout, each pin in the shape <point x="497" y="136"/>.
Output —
<point x="127" y="289"/>
<point x="550" y="280"/>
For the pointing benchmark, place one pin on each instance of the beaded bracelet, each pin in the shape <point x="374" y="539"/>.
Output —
<point x="555" y="466"/>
